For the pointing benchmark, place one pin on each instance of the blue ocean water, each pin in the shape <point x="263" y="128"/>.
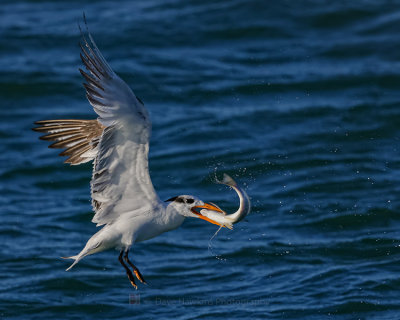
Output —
<point x="297" y="100"/>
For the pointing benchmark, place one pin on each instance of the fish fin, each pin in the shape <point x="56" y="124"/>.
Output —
<point x="227" y="180"/>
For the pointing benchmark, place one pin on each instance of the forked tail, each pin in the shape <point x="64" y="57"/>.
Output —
<point x="92" y="246"/>
<point x="76" y="258"/>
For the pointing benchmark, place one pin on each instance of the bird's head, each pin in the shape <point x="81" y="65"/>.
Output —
<point x="190" y="206"/>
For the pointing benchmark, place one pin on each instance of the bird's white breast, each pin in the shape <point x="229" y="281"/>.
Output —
<point x="137" y="227"/>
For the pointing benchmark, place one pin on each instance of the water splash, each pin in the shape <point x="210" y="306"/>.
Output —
<point x="217" y="256"/>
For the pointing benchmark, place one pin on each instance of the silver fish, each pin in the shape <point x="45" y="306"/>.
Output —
<point x="227" y="220"/>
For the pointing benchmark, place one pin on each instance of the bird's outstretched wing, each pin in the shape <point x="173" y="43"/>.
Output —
<point x="118" y="141"/>
<point x="121" y="182"/>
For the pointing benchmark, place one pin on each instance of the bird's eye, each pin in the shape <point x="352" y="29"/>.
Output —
<point x="189" y="200"/>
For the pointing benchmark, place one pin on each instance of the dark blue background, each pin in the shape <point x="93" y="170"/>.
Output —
<point x="298" y="100"/>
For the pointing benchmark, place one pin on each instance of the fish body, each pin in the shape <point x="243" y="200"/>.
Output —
<point x="227" y="220"/>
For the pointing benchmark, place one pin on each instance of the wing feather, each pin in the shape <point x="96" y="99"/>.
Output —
<point x="78" y="137"/>
<point x="120" y="182"/>
<point x="118" y="141"/>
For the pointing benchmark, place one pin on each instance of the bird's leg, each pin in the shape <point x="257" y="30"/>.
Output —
<point x="128" y="271"/>
<point x="135" y="270"/>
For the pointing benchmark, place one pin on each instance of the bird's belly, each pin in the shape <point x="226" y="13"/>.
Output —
<point x="155" y="227"/>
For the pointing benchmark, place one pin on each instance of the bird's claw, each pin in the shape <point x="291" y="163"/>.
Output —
<point x="129" y="272"/>
<point x="131" y="279"/>
<point x="139" y="276"/>
<point x="133" y="284"/>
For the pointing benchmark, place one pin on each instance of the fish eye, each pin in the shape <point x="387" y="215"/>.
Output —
<point x="189" y="200"/>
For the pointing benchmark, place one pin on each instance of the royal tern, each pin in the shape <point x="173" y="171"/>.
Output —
<point x="123" y="197"/>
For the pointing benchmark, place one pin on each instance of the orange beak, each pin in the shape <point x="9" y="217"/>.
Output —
<point x="207" y="206"/>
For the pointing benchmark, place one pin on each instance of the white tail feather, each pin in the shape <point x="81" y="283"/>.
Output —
<point x="76" y="258"/>
<point x="89" y="249"/>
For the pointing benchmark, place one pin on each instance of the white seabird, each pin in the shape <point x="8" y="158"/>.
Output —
<point x="123" y="197"/>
